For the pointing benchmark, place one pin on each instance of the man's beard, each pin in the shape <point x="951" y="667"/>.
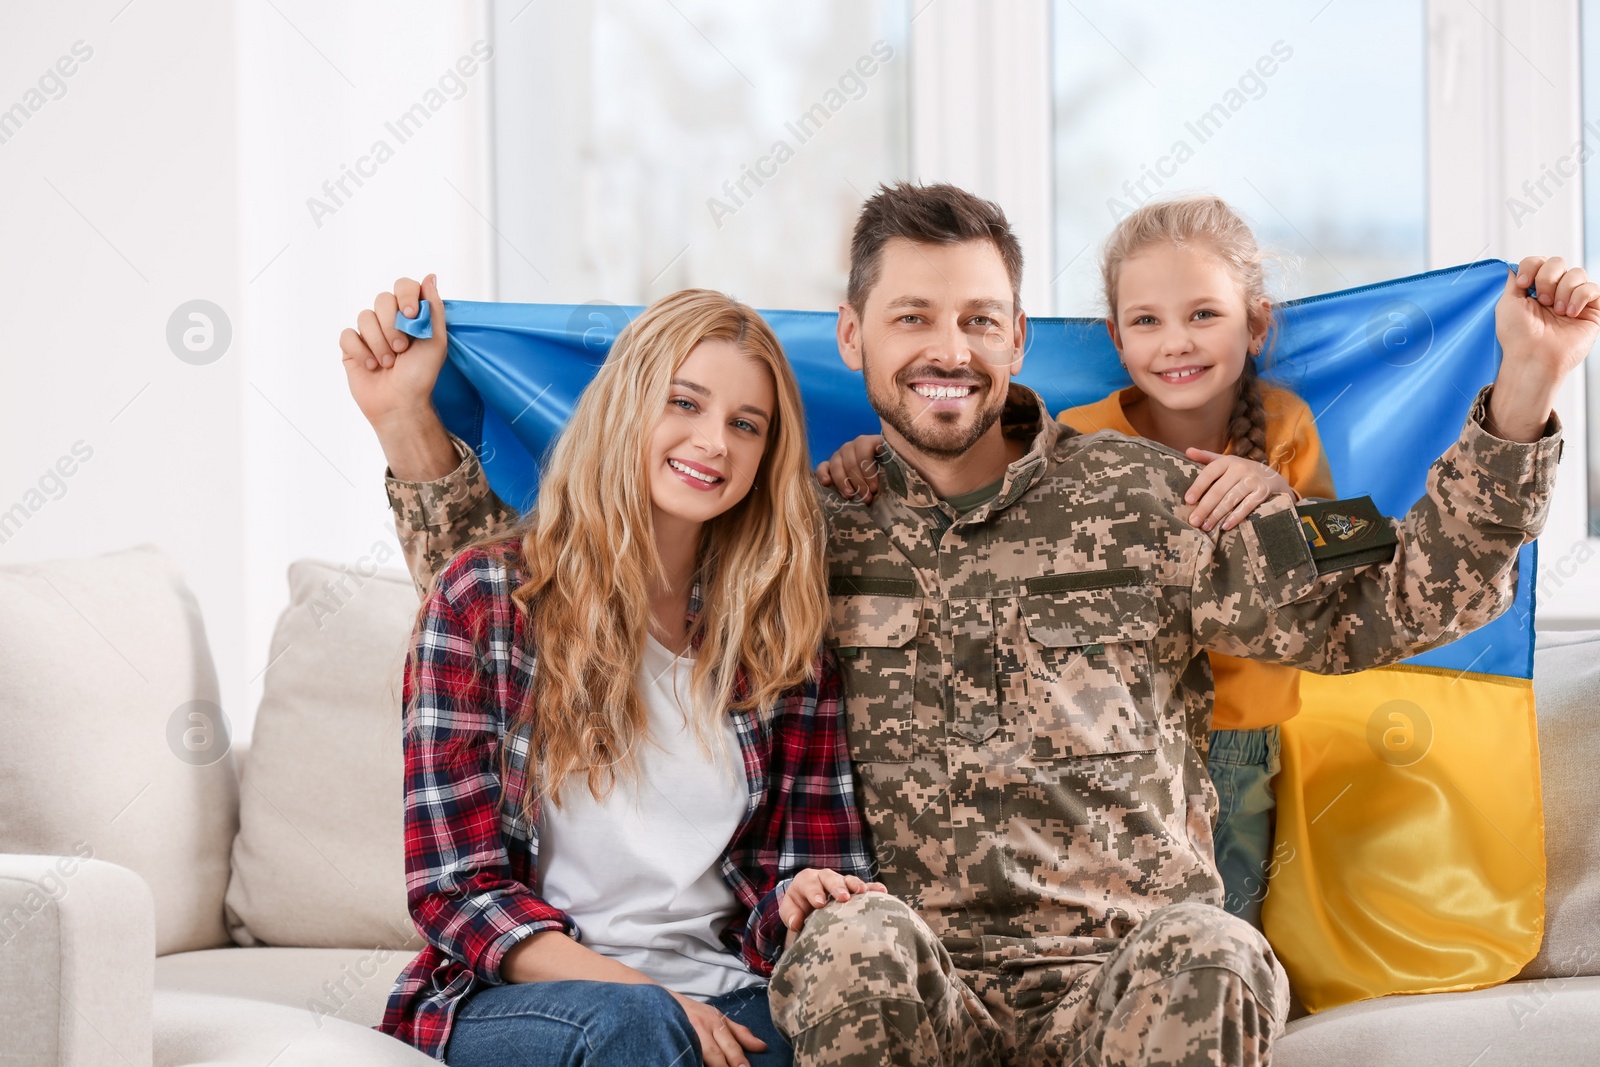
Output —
<point x="934" y="433"/>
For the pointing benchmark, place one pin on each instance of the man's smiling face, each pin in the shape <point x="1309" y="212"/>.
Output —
<point x="937" y="341"/>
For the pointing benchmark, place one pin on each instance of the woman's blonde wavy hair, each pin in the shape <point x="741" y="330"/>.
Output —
<point x="588" y="553"/>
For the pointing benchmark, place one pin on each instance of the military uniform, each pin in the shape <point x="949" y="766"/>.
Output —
<point x="1028" y="711"/>
<point x="437" y="519"/>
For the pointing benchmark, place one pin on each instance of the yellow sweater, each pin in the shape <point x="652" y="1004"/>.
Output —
<point x="1249" y="695"/>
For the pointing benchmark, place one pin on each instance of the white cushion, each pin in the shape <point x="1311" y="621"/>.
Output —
<point x="1541" y="1024"/>
<point x="206" y="1030"/>
<point x="103" y="660"/>
<point x="330" y="983"/>
<point x="1566" y="684"/>
<point x="319" y="860"/>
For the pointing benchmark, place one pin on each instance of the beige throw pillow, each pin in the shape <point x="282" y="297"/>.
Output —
<point x="1566" y="684"/>
<point x="114" y="743"/>
<point x="319" y="861"/>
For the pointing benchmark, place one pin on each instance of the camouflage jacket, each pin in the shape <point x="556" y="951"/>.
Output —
<point x="1027" y="699"/>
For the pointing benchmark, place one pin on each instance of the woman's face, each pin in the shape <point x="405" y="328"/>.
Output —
<point x="708" y="444"/>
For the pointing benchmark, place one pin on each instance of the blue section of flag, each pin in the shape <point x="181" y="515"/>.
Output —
<point x="1389" y="370"/>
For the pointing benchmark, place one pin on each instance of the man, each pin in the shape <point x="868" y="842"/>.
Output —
<point x="1020" y="614"/>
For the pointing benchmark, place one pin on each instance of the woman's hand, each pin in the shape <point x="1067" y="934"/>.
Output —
<point x="813" y="887"/>
<point x="723" y="1042"/>
<point x="1230" y="488"/>
<point x="853" y="470"/>
<point x="552" y="956"/>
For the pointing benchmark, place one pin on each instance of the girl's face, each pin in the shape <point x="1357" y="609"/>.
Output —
<point x="708" y="443"/>
<point x="1181" y="327"/>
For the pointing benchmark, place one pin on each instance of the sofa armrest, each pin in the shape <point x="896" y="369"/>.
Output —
<point x="77" y="962"/>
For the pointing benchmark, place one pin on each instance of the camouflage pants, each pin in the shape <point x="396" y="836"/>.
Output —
<point x="866" y="984"/>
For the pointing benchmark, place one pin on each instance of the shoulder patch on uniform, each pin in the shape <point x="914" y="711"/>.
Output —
<point x="864" y="585"/>
<point x="1281" y="541"/>
<point x="1346" y="533"/>
<point x="1066" y="583"/>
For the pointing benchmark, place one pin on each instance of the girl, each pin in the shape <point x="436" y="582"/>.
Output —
<point x="1189" y="315"/>
<point x="626" y="770"/>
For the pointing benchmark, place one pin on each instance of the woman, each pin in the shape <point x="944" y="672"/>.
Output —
<point x="651" y="632"/>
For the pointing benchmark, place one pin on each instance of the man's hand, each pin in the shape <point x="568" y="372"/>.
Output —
<point x="392" y="375"/>
<point x="1230" y="488"/>
<point x="723" y="1042"/>
<point x="1544" y="338"/>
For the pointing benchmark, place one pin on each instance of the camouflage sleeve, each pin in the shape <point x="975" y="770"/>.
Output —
<point x="435" y="519"/>
<point x="1331" y="588"/>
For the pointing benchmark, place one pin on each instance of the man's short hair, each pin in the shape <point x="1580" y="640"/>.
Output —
<point x="928" y="214"/>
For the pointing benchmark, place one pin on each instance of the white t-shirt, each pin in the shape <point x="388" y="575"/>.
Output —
<point x="639" y="871"/>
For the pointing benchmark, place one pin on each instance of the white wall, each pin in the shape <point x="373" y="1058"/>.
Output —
<point x="315" y="98"/>
<point x="177" y="166"/>
<point x="120" y="202"/>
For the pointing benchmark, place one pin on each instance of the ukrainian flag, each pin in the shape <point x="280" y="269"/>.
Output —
<point x="1410" y="850"/>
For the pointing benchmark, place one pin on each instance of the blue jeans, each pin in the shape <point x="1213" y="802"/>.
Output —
<point x="1242" y="763"/>
<point x="595" y="1024"/>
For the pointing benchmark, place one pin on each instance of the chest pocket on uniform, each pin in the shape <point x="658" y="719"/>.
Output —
<point x="1086" y="685"/>
<point x="875" y="638"/>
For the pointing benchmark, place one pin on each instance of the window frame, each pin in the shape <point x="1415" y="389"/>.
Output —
<point x="1484" y="68"/>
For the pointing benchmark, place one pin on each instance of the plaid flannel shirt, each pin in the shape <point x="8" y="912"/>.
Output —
<point x="472" y="859"/>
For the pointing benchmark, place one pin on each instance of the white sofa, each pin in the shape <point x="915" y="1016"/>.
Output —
<point x="155" y="948"/>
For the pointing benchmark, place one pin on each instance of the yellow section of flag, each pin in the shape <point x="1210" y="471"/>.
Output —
<point x="1409" y="854"/>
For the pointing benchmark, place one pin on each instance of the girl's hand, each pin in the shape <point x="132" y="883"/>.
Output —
<point x="812" y="888"/>
<point x="1230" y="488"/>
<point x="853" y="470"/>
<point x="723" y="1042"/>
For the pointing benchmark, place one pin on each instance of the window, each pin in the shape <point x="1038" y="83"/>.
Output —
<point x="647" y="147"/>
<point x="1308" y="118"/>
